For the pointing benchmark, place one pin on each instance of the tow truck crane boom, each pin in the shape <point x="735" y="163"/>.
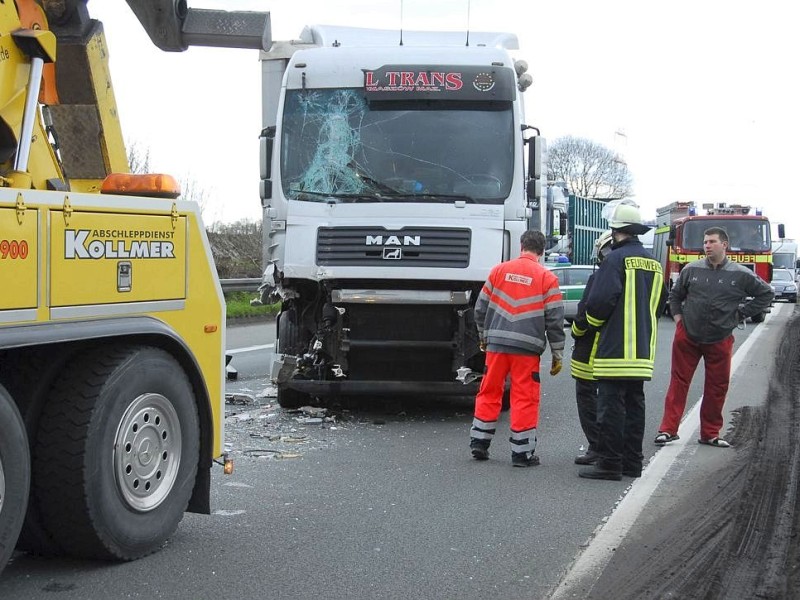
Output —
<point x="80" y="141"/>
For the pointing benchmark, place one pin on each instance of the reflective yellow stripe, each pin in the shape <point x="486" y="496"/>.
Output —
<point x="621" y="362"/>
<point x="733" y="257"/>
<point x="577" y="330"/>
<point x="581" y="370"/>
<point x="639" y="369"/>
<point x="594" y="322"/>
<point x="629" y="316"/>
<point x="750" y="258"/>
<point x="655" y="298"/>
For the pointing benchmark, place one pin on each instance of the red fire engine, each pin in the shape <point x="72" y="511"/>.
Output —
<point x="679" y="237"/>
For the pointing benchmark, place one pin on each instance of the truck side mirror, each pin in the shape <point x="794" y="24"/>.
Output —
<point x="534" y="191"/>
<point x="266" y="141"/>
<point x="534" y="188"/>
<point x="535" y="146"/>
<point x="781" y="230"/>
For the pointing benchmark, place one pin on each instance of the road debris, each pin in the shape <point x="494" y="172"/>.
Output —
<point x="239" y="399"/>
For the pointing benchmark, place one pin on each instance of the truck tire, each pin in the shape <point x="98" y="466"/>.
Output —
<point x="29" y="377"/>
<point x="289" y="342"/>
<point x="15" y="475"/>
<point x="116" y="452"/>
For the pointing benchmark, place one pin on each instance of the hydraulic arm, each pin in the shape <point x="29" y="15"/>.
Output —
<point x="78" y="139"/>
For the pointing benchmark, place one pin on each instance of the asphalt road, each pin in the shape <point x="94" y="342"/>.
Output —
<point x="708" y="523"/>
<point x="379" y="500"/>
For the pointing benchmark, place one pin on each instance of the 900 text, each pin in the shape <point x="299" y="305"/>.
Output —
<point x="13" y="249"/>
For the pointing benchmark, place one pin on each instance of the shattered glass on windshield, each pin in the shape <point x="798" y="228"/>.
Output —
<point x="336" y="146"/>
<point x="330" y="169"/>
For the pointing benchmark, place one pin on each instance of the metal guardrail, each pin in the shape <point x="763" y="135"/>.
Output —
<point x="244" y="284"/>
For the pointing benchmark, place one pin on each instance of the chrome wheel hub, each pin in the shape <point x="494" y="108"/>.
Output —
<point x="147" y="451"/>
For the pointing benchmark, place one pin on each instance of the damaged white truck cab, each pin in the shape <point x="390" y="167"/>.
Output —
<point x="393" y="178"/>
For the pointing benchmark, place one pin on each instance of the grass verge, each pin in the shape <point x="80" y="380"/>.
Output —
<point x="238" y="306"/>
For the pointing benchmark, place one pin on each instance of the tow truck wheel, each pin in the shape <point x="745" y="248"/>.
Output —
<point x="28" y="378"/>
<point x="289" y="342"/>
<point x="14" y="475"/>
<point x="116" y="453"/>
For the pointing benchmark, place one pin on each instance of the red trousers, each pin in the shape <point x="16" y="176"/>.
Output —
<point x="524" y="372"/>
<point x="686" y="355"/>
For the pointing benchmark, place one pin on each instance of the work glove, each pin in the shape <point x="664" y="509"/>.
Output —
<point x="555" y="366"/>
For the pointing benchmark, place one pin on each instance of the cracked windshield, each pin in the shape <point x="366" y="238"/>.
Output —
<point x="336" y="145"/>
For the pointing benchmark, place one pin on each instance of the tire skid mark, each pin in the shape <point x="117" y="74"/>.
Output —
<point x="736" y="535"/>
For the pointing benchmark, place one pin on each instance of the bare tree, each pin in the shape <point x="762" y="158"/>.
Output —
<point x="138" y="158"/>
<point x="139" y="162"/>
<point x="236" y="248"/>
<point x="590" y="169"/>
<point x="190" y="190"/>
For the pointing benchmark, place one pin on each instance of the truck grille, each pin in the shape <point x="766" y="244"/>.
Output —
<point x="378" y="246"/>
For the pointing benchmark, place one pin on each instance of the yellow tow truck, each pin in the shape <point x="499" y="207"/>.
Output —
<point x="112" y="319"/>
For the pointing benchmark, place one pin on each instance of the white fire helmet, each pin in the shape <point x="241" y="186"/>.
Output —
<point x="624" y="215"/>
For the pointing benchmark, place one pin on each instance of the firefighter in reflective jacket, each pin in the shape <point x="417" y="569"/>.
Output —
<point x="624" y="304"/>
<point x="582" y="363"/>
<point x="518" y="311"/>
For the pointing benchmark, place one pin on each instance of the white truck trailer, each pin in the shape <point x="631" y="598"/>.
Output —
<point x="395" y="174"/>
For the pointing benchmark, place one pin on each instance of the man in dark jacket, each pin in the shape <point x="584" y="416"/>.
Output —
<point x="707" y="303"/>
<point x="623" y="306"/>
<point x="582" y="362"/>
<point x="518" y="311"/>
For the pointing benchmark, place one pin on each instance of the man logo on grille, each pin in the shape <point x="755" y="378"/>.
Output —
<point x="392" y="253"/>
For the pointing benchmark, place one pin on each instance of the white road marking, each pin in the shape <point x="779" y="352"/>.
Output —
<point x="589" y="565"/>
<point x="249" y="349"/>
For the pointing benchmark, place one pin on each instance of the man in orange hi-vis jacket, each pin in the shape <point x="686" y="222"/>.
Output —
<point x="518" y="311"/>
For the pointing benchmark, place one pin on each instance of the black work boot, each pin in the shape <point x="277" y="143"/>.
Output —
<point x="480" y="449"/>
<point x="597" y="472"/>
<point x="632" y="469"/>
<point x="524" y="459"/>
<point x="589" y="458"/>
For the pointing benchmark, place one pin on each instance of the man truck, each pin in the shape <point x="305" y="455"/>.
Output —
<point x="112" y="320"/>
<point x="397" y="169"/>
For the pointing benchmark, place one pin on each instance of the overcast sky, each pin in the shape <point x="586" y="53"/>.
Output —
<point x="699" y="96"/>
